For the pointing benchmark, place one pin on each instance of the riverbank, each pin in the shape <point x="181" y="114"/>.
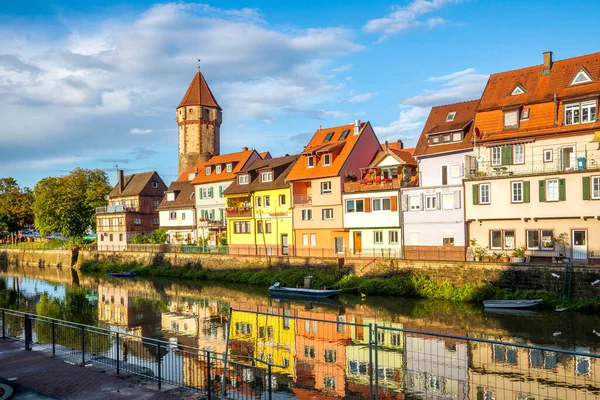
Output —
<point x="414" y="285"/>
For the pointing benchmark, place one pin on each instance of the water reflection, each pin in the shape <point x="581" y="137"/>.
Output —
<point x="322" y="350"/>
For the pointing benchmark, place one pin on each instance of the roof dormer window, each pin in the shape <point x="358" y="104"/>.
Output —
<point x="328" y="137"/>
<point x="517" y="90"/>
<point x="266" y="176"/>
<point x="311" y="161"/>
<point x="450" y="116"/>
<point x="243" y="179"/>
<point x="581" y="77"/>
<point x="170" y="196"/>
<point x="345" y="134"/>
<point x="326" y="159"/>
<point x="208" y="170"/>
<point x="228" y="167"/>
<point x="191" y="176"/>
<point x="218" y="169"/>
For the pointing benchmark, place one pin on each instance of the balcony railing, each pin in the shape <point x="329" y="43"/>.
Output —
<point x="115" y="209"/>
<point x="233" y="212"/>
<point x="205" y="223"/>
<point x="302" y="200"/>
<point x="367" y="186"/>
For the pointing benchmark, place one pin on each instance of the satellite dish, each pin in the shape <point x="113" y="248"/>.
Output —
<point x="106" y="197"/>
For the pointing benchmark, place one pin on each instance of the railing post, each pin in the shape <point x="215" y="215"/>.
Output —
<point x="27" y="332"/>
<point x="208" y="374"/>
<point x="83" y="345"/>
<point x="3" y="325"/>
<point x="376" y="364"/>
<point x="118" y="354"/>
<point x="370" y="361"/>
<point x="270" y="383"/>
<point x="53" y="338"/>
<point x="158" y="360"/>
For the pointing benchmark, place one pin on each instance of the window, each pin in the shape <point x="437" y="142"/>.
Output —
<point x="547" y="155"/>
<point x="547" y="236"/>
<point x="533" y="240"/>
<point x="450" y="116"/>
<point x="155" y="203"/>
<point x="581" y="77"/>
<point x="511" y="119"/>
<point x="577" y="113"/>
<point x="344" y="134"/>
<point x="517" y="192"/>
<point x="267" y="200"/>
<point x="496" y="156"/>
<point x="172" y="215"/>
<point x="307" y="214"/>
<point x="258" y="201"/>
<point x="311" y="161"/>
<point x="495" y="239"/>
<point x="396" y="339"/>
<point x="457" y="137"/>
<point x="155" y="185"/>
<point x="414" y="203"/>
<point x="455" y="170"/>
<point x="228" y="167"/>
<point x="327" y="214"/>
<point x="137" y="221"/>
<point x="182" y="216"/>
<point x="552" y="190"/>
<point x="448" y="238"/>
<point x="155" y="221"/>
<point x="327" y="159"/>
<point x="259" y="227"/>
<point x="378" y="237"/>
<point x="329" y="382"/>
<point x="447" y="201"/>
<point x="431" y="202"/>
<point x="595" y="187"/>
<point x="282" y="199"/>
<point x="393" y="237"/>
<point x="266" y="176"/>
<point x="243" y="179"/>
<point x="525" y="114"/>
<point x="519" y="154"/>
<point x="305" y="239"/>
<point x="268" y="228"/>
<point x="330" y="356"/>
<point x="381" y="204"/>
<point x="509" y="239"/>
<point x="354" y="206"/>
<point x="313" y="239"/>
<point x="326" y="187"/>
<point x="309" y="351"/>
<point x="208" y="170"/>
<point x="206" y="193"/>
<point x="517" y="91"/>
<point x="218" y="169"/>
<point x="120" y="239"/>
<point x="241" y="227"/>
<point x="328" y="137"/>
<point x="484" y="193"/>
<point x="444" y="174"/>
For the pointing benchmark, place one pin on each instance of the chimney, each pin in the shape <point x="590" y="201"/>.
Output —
<point x="244" y="148"/>
<point x="386" y="146"/>
<point x="400" y="144"/>
<point x="547" y="63"/>
<point x="121" y="181"/>
<point x="356" y="127"/>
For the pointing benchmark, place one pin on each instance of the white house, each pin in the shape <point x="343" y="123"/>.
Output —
<point x="177" y="213"/>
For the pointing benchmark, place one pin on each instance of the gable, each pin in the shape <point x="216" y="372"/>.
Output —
<point x="388" y="161"/>
<point x="582" y="76"/>
<point x="518" y="90"/>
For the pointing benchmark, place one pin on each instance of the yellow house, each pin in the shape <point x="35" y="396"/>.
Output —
<point x="259" y="214"/>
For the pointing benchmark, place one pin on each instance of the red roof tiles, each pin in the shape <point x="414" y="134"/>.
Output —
<point x="199" y="94"/>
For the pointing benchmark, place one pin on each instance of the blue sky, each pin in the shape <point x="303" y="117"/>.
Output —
<point x="96" y="83"/>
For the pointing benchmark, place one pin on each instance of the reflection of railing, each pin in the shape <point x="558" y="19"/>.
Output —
<point x="115" y="209"/>
<point x="302" y="200"/>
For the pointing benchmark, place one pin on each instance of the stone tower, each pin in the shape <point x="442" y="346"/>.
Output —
<point x="199" y="124"/>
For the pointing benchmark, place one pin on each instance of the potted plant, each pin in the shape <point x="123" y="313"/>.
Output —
<point x="563" y="241"/>
<point x="518" y="255"/>
<point x="504" y="257"/>
<point x="481" y="253"/>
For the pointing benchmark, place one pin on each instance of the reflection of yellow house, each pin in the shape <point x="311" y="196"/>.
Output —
<point x="507" y="372"/>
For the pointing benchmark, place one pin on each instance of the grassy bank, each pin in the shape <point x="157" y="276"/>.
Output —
<point x="405" y="285"/>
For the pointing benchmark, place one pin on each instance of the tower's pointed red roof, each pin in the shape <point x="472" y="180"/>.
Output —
<point x="199" y="94"/>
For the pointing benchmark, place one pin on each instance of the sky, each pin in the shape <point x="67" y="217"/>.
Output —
<point x="95" y="84"/>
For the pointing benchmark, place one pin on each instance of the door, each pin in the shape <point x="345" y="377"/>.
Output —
<point x="579" y="244"/>
<point x="339" y="245"/>
<point x="567" y="158"/>
<point x="284" y="245"/>
<point x="444" y="174"/>
<point x="357" y="242"/>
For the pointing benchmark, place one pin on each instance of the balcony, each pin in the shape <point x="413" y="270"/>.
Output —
<point x="120" y="208"/>
<point x="302" y="200"/>
<point x="371" y="185"/>
<point x="211" y="225"/>
<point x="239" y="212"/>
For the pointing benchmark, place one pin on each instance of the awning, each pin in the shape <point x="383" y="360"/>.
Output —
<point x="596" y="137"/>
<point x="509" y="142"/>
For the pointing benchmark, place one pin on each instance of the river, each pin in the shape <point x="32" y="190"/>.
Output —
<point x="326" y="357"/>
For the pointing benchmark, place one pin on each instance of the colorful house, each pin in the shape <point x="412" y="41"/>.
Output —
<point x="371" y="211"/>
<point x="259" y="213"/>
<point x="536" y="180"/>
<point x="177" y="212"/>
<point x="132" y="209"/>
<point x="333" y="156"/>
<point x="433" y="213"/>
<point x="210" y="180"/>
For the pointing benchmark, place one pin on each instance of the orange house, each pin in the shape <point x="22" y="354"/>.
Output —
<point x="333" y="156"/>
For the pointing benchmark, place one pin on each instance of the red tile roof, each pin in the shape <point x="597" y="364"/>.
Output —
<point x="238" y="160"/>
<point x="541" y="88"/>
<point x="436" y="123"/>
<point x="340" y="154"/>
<point x="199" y="94"/>
<point x="265" y="155"/>
<point x="184" y="196"/>
<point x="405" y="155"/>
<point x="281" y="166"/>
<point x="134" y="184"/>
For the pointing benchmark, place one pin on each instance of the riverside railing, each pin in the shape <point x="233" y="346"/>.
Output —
<point x="210" y="372"/>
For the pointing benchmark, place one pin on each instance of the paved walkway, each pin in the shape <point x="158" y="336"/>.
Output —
<point x="37" y="375"/>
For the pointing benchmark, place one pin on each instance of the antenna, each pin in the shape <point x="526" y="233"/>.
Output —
<point x="198" y="65"/>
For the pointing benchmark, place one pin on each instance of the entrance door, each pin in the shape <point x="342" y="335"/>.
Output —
<point x="567" y="158"/>
<point x="357" y="242"/>
<point x="339" y="245"/>
<point x="579" y="244"/>
<point x="284" y="245"/>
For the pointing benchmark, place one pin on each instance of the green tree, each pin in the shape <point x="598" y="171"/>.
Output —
<point x="16" y="206"/>
<point x="159" y="236"/>
<point x="67" y="204"/>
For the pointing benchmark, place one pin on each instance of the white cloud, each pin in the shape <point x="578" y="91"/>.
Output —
<point x="408" y="17"/>
<point x="137" y="131"/>
<point x="359" y="98"/>
<point x="342" y="68"/>
<point x="458" y="86"/>
<point x="451" y="76"/>
<point x="410" y="122"/>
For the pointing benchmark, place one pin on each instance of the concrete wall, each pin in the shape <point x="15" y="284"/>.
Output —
<point x="430" y="168"/>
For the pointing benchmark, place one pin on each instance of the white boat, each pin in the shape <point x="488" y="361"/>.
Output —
<point x="512" y="303"/>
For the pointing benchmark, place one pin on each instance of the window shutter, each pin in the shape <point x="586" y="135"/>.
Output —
<point x="475" y="195"/>
<point x="438" y="201"/>
<point x="421" y="208"/>
<point x="212" y="215"/>
<point x="394" y="203"/>
<point x="221" y="214"/>
<point x="461" y="169"/>
<point x="526" y="197"/>
<point x="220" y="191"/>
<point x="586" y="187"/>
<point x="367" y="205"/>
<point x="507" y="155"/>
<point x="542" y="191"/>
<point x="457" y="198"/>
<point x="405" y="202"/>
<point x="562" y="189"/>
<point x="200" y="190"/>
<point x="210" y="192"/>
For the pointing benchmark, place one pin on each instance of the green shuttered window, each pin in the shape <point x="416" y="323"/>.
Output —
<point x="475" y="195"/>
<point x="526" y="196"/>
<point x="562" y="189"/>
<point x="586" y="187"/>
<point x="542" y="191"/>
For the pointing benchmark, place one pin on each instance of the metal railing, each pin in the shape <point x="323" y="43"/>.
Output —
<point x="301" y="200"/>
<point x="120" y="208"/>
<point x="371" y="185"/>
<point x="214" y="373"/>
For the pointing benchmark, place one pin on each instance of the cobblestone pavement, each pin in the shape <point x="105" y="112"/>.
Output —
<point x="53" y="377"/>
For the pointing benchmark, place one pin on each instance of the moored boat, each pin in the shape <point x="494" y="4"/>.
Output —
<point x="123" y="274"/>
<point x="278" y="291"/>
<point x="512" y="303"/>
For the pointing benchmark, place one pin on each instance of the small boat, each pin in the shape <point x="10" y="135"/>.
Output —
<point x="278" y="291"/>
<point x="123" y="274"/>
<point x="512" y="303"/>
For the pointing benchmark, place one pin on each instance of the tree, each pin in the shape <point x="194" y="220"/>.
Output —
<point x="67" y="204"/>
<point x="15" y="206"/>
